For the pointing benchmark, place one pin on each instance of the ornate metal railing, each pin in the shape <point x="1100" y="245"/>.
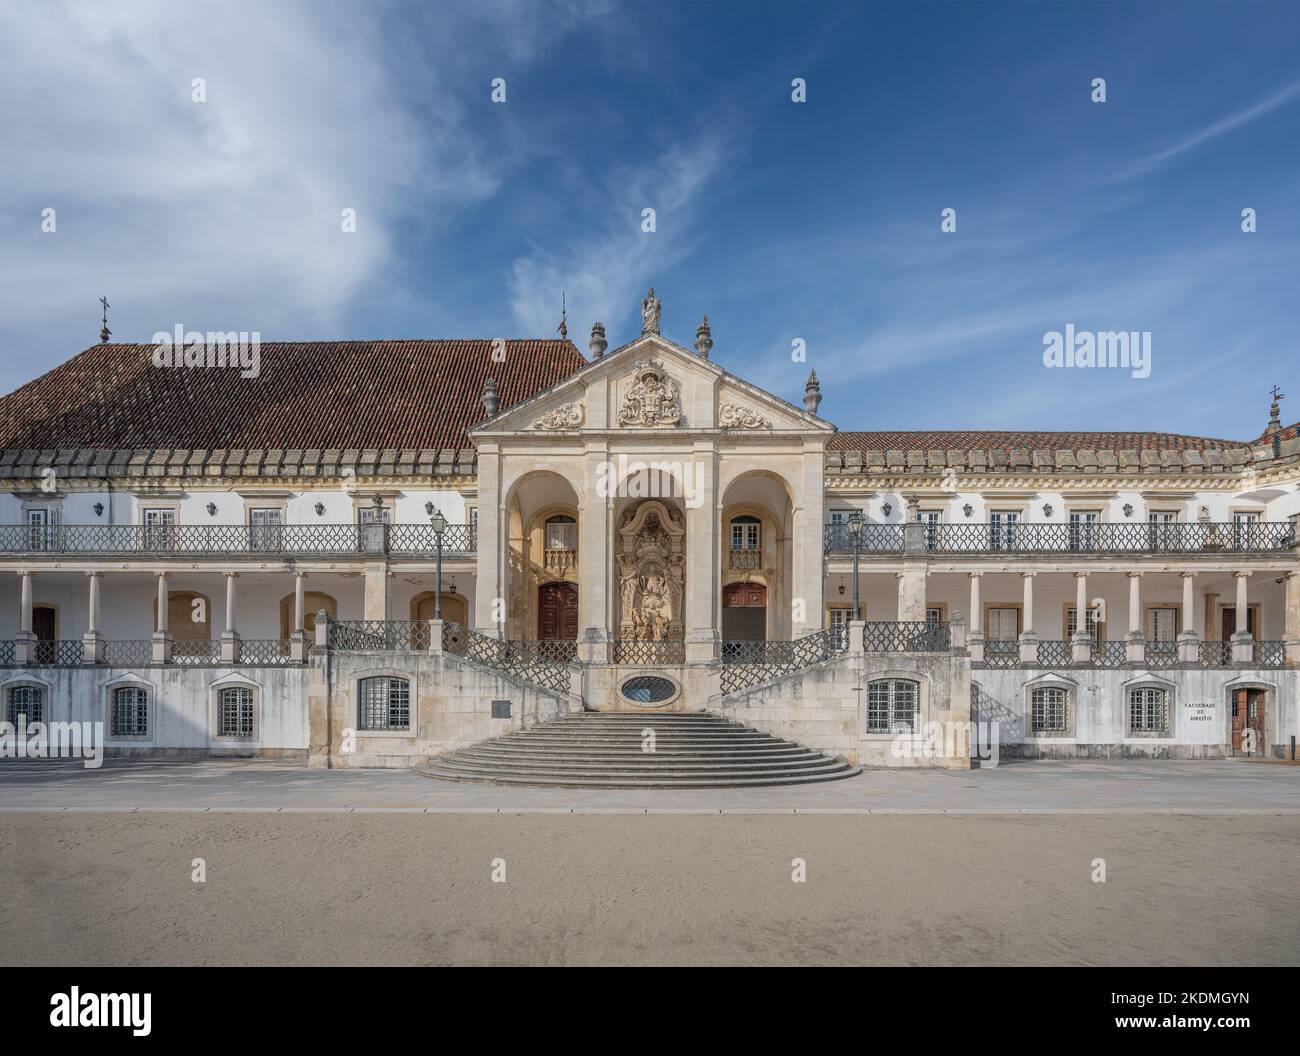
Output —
<point x="1108" y="537"/>
<point x="198" y="652"/>
<point x="875" y="539"/>
<point x="744" y="560"/>
<point x="66" y="652"/>
<point x="129" y="653"/>
<point x="538" y="662"/>
<point x="746" y="663"/>
<point x="6" y="654"/>
<point x="1160" y="654"/>
<point x="916" y="636"/>
<point x="265" y="652"/>
<point x="227" y="539"/>
<point x="1001" y="654"/>
<point x="1111" y="653"/>
<point x="1053" y="653"/>
<point x="627" y="651"/>
<point x="1214" y="654"/>
<point x="368" y="636"/>
<point x="1270" y="654"/>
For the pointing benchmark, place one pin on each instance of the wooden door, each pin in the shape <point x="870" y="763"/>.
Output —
<point x="1230" y="622"/>
<point x="557" y="611"/>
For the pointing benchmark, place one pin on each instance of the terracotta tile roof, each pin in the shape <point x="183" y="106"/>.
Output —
<point x="311" y="394"/>
<point x="952" y="440"/>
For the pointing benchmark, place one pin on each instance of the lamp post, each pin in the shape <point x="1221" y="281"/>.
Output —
<point x="439" y="523"/>
<point x="856" y="526"/>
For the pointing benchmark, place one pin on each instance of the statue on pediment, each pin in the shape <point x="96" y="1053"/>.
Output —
<point x="650" y="313"/>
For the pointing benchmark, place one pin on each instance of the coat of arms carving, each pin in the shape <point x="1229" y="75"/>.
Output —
<point x="652" y="399"/>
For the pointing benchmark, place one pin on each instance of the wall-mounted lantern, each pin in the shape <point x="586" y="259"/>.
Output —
<point x="1128" y="509"/>
<point x="320" y="509"/>
<point x="212" y="509"/>
<point x="886" y="509"/>
<point x="1047" y="509"/>
<point x="968" y="509"/>
<point x="99" y="509"/>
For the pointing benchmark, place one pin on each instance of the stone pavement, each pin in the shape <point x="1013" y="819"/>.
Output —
<point x="1052" y="787"/>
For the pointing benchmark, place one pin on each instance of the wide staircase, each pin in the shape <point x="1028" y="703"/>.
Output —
<point x="601" y="750"/>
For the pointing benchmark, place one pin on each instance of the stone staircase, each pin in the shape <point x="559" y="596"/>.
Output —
<point x="601" y="750"/>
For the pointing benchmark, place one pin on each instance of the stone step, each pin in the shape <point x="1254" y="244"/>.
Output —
<point x="628" y="766"/>
<point x="733" y="781"/>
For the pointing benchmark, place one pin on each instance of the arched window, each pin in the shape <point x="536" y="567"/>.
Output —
<point x="892" y="705"/>
<point x="384" y="703"/>
<point x="29" y="701"/>
<point x="561" y="533"/>
<point x="746" y="533"/>
<point x="1049" y="710"/>
<point x="130" y="713"/>
<point x="235" y="712"/>
<point x="1148" y="710"/>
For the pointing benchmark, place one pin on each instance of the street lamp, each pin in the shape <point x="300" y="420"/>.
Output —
<point x="439" y="523"/>
<point x="856" y="528"/>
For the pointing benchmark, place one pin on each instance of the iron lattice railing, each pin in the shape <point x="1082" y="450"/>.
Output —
<point x="227" y="539"/>
<point x="369" y="636"/>
<point x="746" y="663"/>
<point x="1053" y="653"/>
<point x="875" y="539"/>
<point x="908" y="636"/>
<point x="627" y="651"/>
<point x="66" y="652"/>
<point x="1214" y="654"/>
<point x="129" y="653"/>
<point x="1001" y="654"/>
<point x="1112" y="653"/>
<point x="198" y="652"/>
<point x="543" y="663"/>
<point x="6" y="654"/>
<point x="265" y="652"/>
<point x="1160" y="654"/>
<point x="1270" y="654"/>
<point x="1110" y="537"/>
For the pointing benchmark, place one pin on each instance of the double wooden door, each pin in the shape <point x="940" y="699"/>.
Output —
<point x="557" y="606"/>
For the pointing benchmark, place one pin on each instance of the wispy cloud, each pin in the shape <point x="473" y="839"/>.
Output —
<point x="1212" y="131"/>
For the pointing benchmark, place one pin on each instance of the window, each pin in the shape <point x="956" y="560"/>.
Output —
<point x="840" y="618"/>
<point x="42" y="528"/>
<point x="130" y="715"/>
<point x="1072" y="623"/>
<point x="1245" y="530"/>
<point x="29" y="701"/>
<point x="1162" y="625"/>
<point x="1083" y="529"/>
<point x="1003" y="625"/>
<point x="841" y="516"/>
<point x="264" y="529"/>
<point x="384" y="703"/>
<point x="892" y="705"/>
<point x="745" y="533"/>
<point x="1048" y="710"/>
<point x="1148" y="710"/>
<point x="235" y="712"/>
<point x="1002" y="529"/>
<point x="933" y="619"/>
<point x="372" y="514"/>
<point x="561" y="533"/>
<point x="929" y="518"/>
<point x="160" y="529"/>
<point x="1163" y="534"/>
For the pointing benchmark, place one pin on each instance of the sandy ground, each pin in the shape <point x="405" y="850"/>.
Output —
<point x="114" y="888"/>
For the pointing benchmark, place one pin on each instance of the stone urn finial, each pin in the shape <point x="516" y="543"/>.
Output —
<point x="597" y="344"/>
<point x="490" y="399"/>
<point x="704" y="339"/>
<point x="812" y="393"/>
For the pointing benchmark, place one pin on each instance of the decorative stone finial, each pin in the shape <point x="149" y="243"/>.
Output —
<point x="1274" y="430"/>
<point x="650" y="313"/>
<point x="105" y="333"/>
<point x="597" y="344"/>
<point x="490" y="399"/>
<point x="563" y="328"/>
<point x="812" y="393"/>
<point x="704" y="339"/>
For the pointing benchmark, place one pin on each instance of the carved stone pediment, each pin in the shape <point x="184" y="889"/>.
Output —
<point x="734" y="416"/>
<point x="566" y="416"/>
<point x="653" y="398"/>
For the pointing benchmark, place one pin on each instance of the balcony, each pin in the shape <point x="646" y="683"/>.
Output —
<point x="561" y="561"/>
<point x="1117" y="538"/>
<point x="226" y="540"/>
<point x="744" y="560"/>
<point x="1114" y="654"/>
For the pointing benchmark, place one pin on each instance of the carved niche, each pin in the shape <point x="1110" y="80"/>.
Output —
<point x="653" y="398"/>
<point x="651" y="570"/>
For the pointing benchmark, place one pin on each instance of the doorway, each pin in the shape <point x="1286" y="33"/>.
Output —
<point x="557" y="611"/>
<point x="744" y="612"/>
<point x="1248" y="714"/>
<point x="45" y="630"/>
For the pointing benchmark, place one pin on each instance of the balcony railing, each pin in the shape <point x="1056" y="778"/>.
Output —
<point x="916" y="636"/>
<point x="1226" y="537"/>
<point x="200" y="540"/>
<point x="1163" y="654"/>
<point x="744" y="560"/>
<point x="670" y="651"/>
<point x="561" y="561"/>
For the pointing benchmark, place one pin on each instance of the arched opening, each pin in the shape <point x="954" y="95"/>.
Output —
<point x="543" y="511"/>
<point x="757" y="550"/>
<point x="189" y="616"/>
<point x="313" y="602"/>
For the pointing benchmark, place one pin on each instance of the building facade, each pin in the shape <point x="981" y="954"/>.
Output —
<point x="376" y="552"/>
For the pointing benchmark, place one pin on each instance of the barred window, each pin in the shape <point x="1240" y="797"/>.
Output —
<point x="29" y="701"/>
<point x="235" y="712"/>
<point x="892" y="705"/>
<point x="385" y="703"/>
<point x="1049" y="710"/>
<point x="130" y="716"/>
<point x="1148" y="710"/>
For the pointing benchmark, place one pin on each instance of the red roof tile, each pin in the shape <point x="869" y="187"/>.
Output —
<point x="945" y="440"/>
<point x="311" y="394"/>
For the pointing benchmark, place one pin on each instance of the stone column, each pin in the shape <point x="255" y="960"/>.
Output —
<point x="1189" y="642"/>
<point x="230" y="638"/>
<point x="298" y="644"/>
<point x="975" y="639"/>
<point x="25" y="643"/>
<point x="911" y="592"/>
<point x="1135" y="648"/>
<point x="1292" y="631"/>
<point x="596" y="539"/>
<point x="92" y="647"/>
<point x="162" y="639"/>
<point x="1081" y="644"/>
<point x="376" y="601"/>
<point x="1243" y="648"/>
<point x="703" y="528"/>
<point x="1028" y="636"/>
<point x="489" y="581"/>
<point x="806" y="551"/>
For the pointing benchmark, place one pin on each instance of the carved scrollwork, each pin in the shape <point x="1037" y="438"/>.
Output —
<point x="567" y="416"/>
<point x="734" y="416"/>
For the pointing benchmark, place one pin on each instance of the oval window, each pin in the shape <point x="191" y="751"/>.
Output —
<point x="648" y="689"/>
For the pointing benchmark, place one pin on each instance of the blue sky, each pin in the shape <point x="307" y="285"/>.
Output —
<point x="818" y="221"/>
